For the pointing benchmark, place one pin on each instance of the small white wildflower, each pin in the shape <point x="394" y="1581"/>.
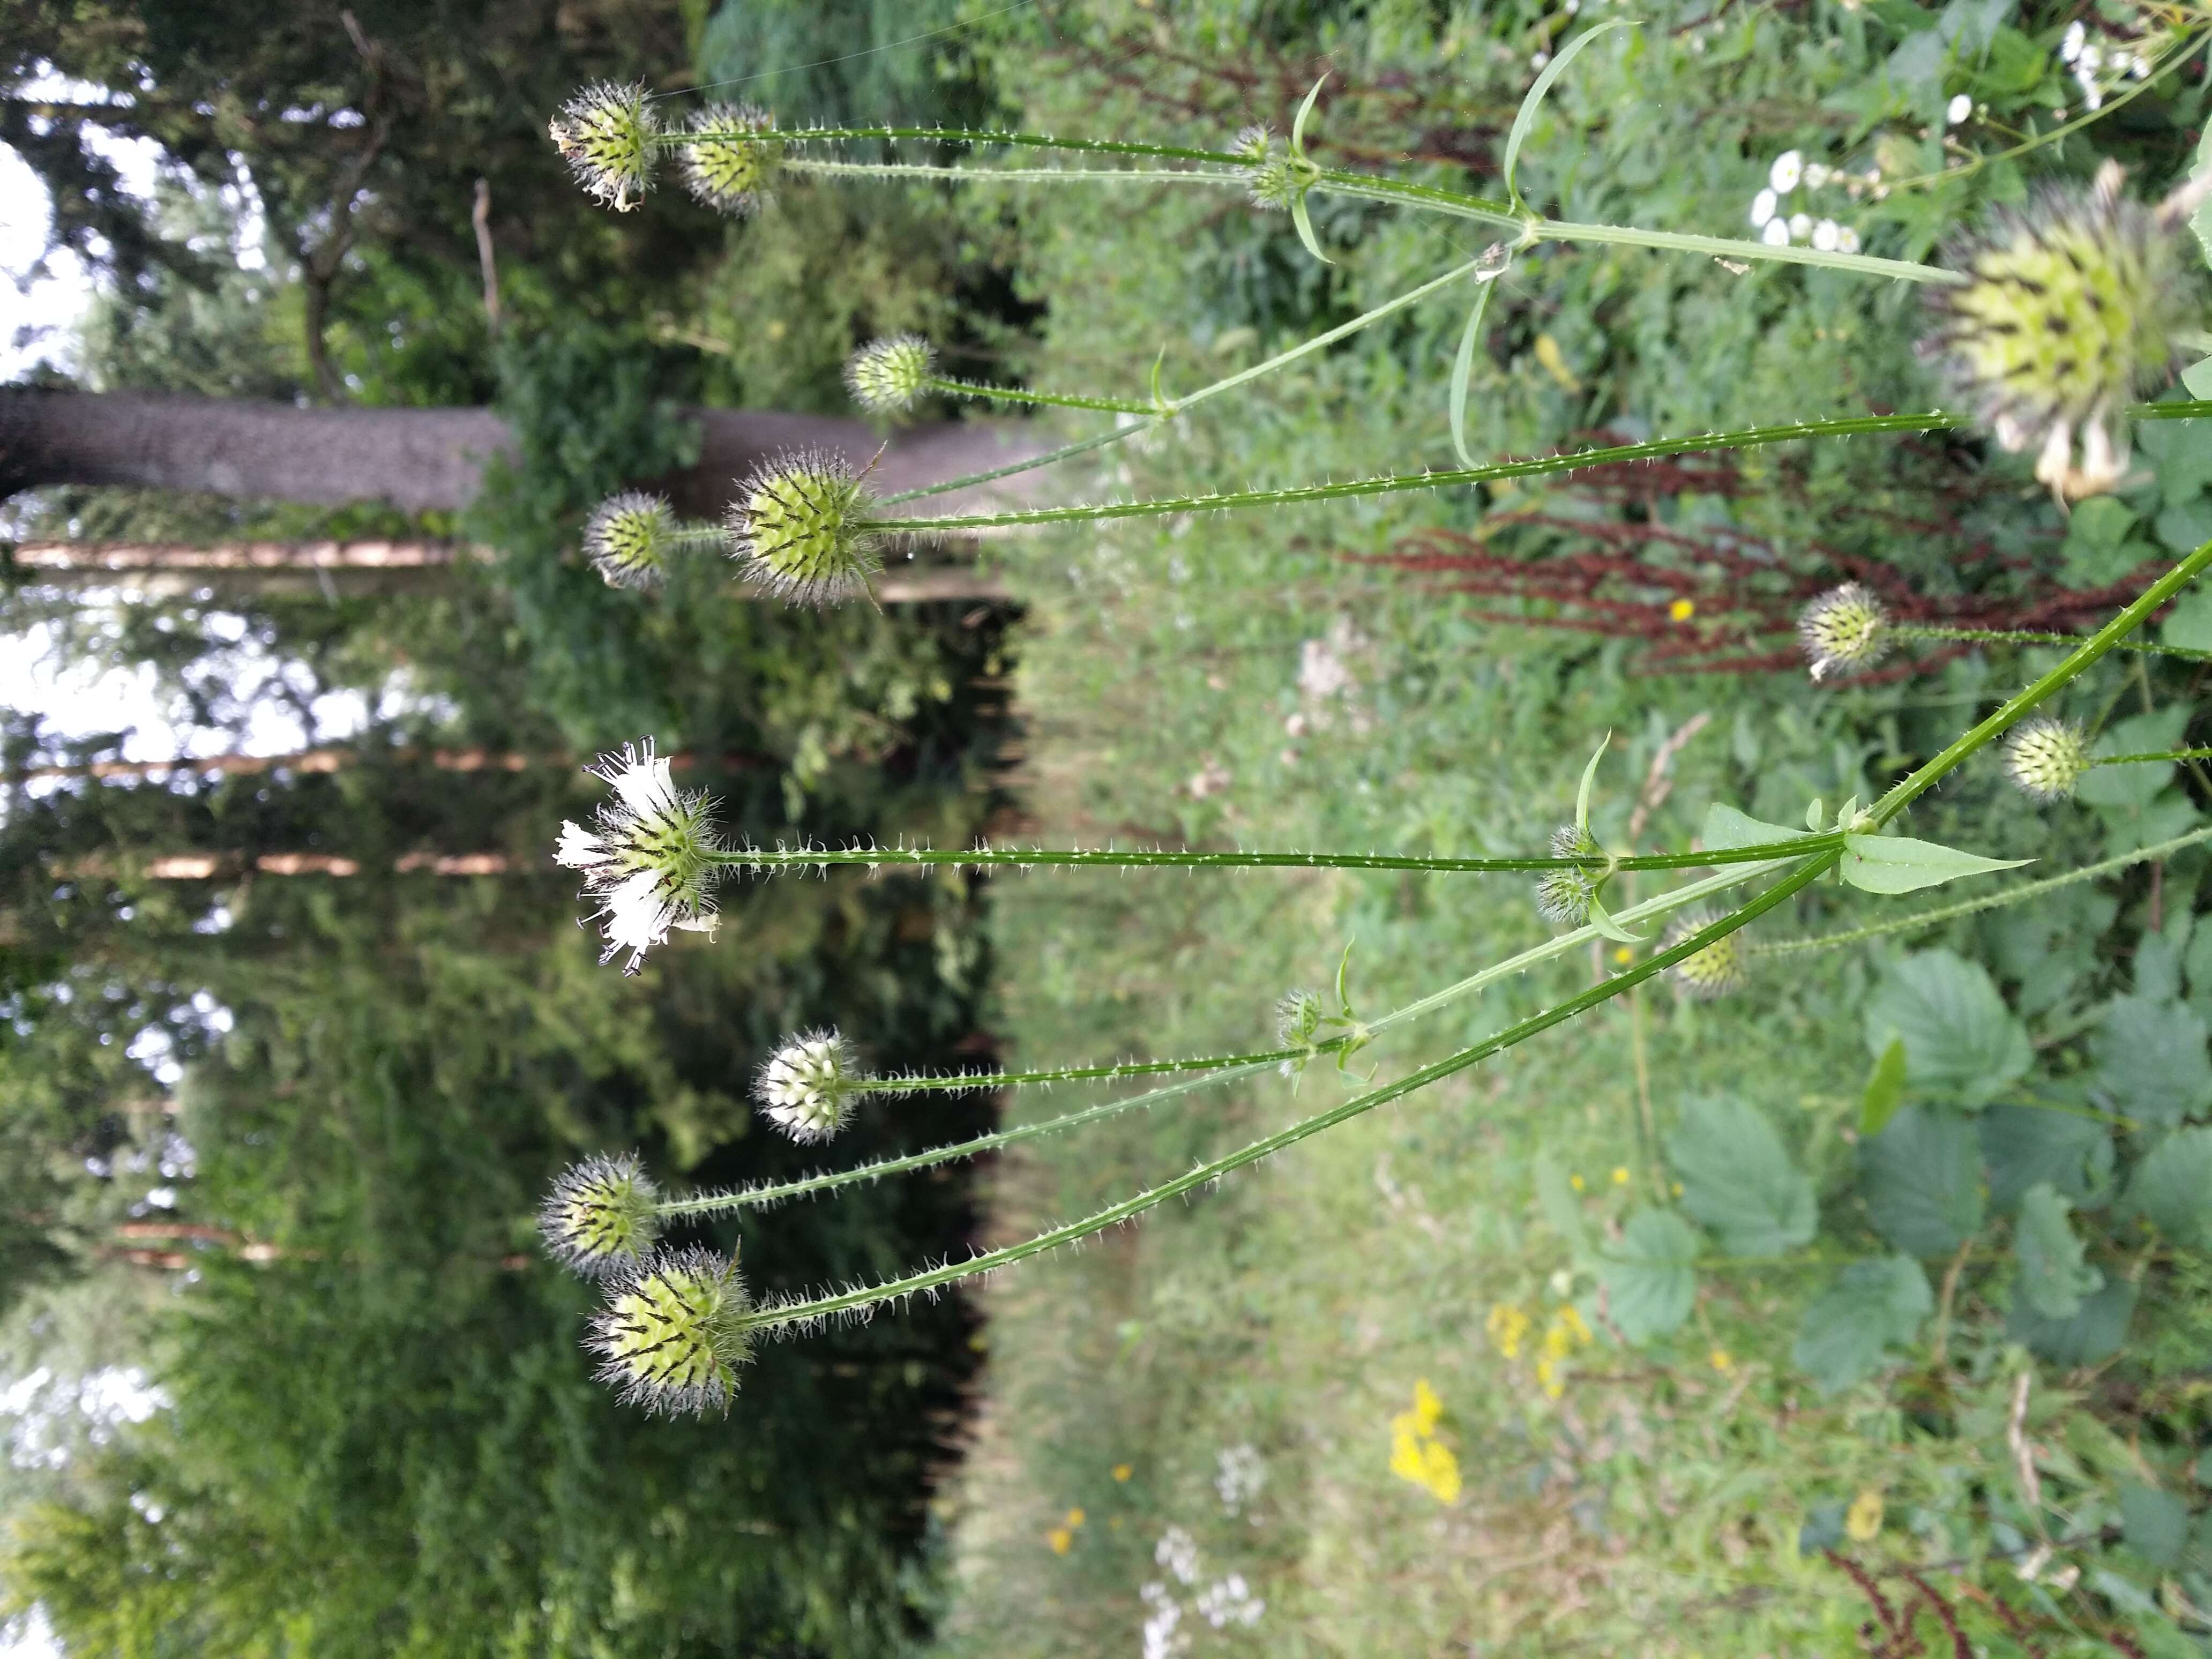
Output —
<point x="1178" y="1551"/>
<point x="649" y="858"/>
<point x="1777" y="234"/>
<point x="1230" y="1602"/>
<point x="1817" y="174"/>
<point x="1826" y="234"/>
<point x="1847" y="240"/>
<point x="2077" y="32"/>
<point x="1958" y="110"/>
<point x="1788" y="170"/>
<point x="1239" y="1476"/>
<point x="1762" y="207"/>
<point x="1801" y="227"/>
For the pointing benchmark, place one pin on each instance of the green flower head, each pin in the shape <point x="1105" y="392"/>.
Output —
<point x="801" y="527"/>
<point x="1845" y="628"/>
<point x="600" y="1218"/>
<point x="885" y="376"/>
<point x="2073" y="306"/>
<point x="1298" y="1017"/>
<point x="2046" y="758"/>
<point x="1722" y="967"/>
<point x="606" y="133"/>
<point x="730" y="157"/>
<point x="626" y="540"/>
<point x="1563" y="896"/>
<point x="673" y="1333"/>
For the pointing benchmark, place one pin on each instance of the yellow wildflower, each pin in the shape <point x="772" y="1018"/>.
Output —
<point x="1427" y="1408"/>
<point x="1074" y="1518"/>
<point x="1723" y="1361"/>
<point x="1123" y="1471"/>
<point x="1416" y="1454"/>
<point x="1574" y="1181"/>
<point x="1558" y="1342"/>
<point x="1623" y="955"/>
<point x="1061" y="1540"/>
<point x="1507" y="1326"/>
<point x="1571" y="1317"/>
<point x="1863" y="1519"/>
<point x="1548" y="1374"/>
<point x="1682" y="610"/>
<point x="1620" y="1175"/>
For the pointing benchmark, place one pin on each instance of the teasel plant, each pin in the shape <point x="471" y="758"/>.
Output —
<point x="2094" y="280"/>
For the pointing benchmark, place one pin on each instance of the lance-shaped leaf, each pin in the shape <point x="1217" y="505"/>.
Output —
<point x="1898" y="863"/>
<point x="1525" y="117"/>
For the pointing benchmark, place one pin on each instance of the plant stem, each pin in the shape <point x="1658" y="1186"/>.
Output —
<point x="2160" y="755"/>
<point x="760" y="860"/>
<point x="2030" y="637"/>
<point x="785" y="137"/>
<point x="750" y="1197"/>
<point x="1991" y="902"/>
<point x="1008" y="175"/>
<point x="973" y="1082"/>
<point x="1014" y="394"/>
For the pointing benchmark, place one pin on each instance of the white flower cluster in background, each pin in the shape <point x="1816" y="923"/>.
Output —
<point x="1778" y="226"/>
<point x="1164" y="1634"/>
<point x="2095" y="64"/>
<point x="1238" y="1477"/>
<point x="1230" y="1602"/>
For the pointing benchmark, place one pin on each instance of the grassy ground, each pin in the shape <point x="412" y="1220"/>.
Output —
<point x="1368" y="1396"/>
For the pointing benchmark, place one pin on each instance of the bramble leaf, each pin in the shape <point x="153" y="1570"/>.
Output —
<point x="2172" y="1188"/>
<point x="1649" y="1277"/>
<point x="2094" y="1333"/>
<point x="2053" y="1276"/>
<point x="2155" y="1523"/>
<point x="1873" y="1306"/>
<point x="2024" y="1143"/>
<point x="1921" y="1180"/>
<point x="1960" y="1041"/>
<point x="2150" y="1058"/>
<point x="1738" y="1180"/>
<point x="1898" y="863"/>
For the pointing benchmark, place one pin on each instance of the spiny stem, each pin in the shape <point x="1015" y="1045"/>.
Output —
<point x="1652" y="910"/>
<point x="2096" y="646"/>
<point x="1009" y="175"/>
<point x="771" y="1316"/>
<point x="2032" y="637"/>
<point x="979" y="135"/>
<point x="758" y="858"/>
<point x="1015" y="394"/>
<point x="1991" y="902"/>
<point x="973" y="1082"/>
<point x="1746" y="437"/>
<point x="2157" y="755"/>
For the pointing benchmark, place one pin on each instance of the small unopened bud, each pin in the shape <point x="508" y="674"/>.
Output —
<point x="600" y="1218"/>
<point x="1721" y="967"/>
<point x="673" y="1333"/>
<point x="628" y="538"/>
<point x="1297" y="1019"/>
<point x="2046" y="758"/>
<point x="887" y="375"/>
<point x="606" y="133"/>
<point x="730" y="157"/>
<point x="807" y="1086"/>
<point x="802" y="530"/>
<point x="1563" y="896"/>
<point x="1845" y="628"/>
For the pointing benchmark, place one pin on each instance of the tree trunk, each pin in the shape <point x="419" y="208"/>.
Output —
<point x="422" y="460"/>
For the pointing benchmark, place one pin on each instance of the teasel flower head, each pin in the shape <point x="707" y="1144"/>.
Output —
<point x="648" y="858"/>
<point x="1253" y="142"/>
<point x="1846" y="627"/>
<point x="1721" y="967"/>
<point x="1563" y="896"/>
<point x="730" y="157"/>
<point x="601" y="1216"/>
<point x="2046" y="758"/>
<point x="628" y="538"/>
<point x="885" y="376"/>
<point x="801" y="526"/>
<point x="2073" y="306"/>
<point x="806" y="1088"/>
<point x="673" y="1333"/>
<point x="606" y="133"/>
<point x="1299" y="1018"/>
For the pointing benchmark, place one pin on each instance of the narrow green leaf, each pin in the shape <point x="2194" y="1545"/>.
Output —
<point x="1601" y="919"/>
<point x="1898" y="863"/>
<point x="1159" y="363"/>
<point x="1463" y="369"/>
<point x="1651" y="1279"/>
<point x="1885" y="1089"/>
<point x="1589" y="777"/>
<point x="1298" y="121"/>
<point x="2053" y="1275"/>
<point x="1525" y="117"/>
<point x="1873" y="1306"/>
<point x="1303" y="221"/>
<point x="1726" y="827"/>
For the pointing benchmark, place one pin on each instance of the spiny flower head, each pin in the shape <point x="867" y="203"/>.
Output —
<point x="2046" y="758"/>
<point x="1298" y="1016"/>
<point x="1845" y="628"/>
<point x="628" y="537"/>
<point x="673" y="1333"/>
<point x="1563" y="896"/>
<point x="606" y="133"/>
<point x="600" y="1218"/>
<point x="1721" y="967"/>
<point x="648" y="859"/>
<point x="1272" y="176"/>
<point x="1252" y="143"/>
<point x="801" y="524"/>
<point x="887" y="375"/>
<point x="728" y="159"/>
<point x="2074" y="306"/>
<point x="806" y="1088"/>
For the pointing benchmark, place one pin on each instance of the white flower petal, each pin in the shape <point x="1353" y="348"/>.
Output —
<point x="579" y="849"/>
<point x="1762" y="207"/>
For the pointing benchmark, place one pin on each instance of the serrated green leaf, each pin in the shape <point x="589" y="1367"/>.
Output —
<point x="1961" y="1042"/>
<point x="2150" y="1059"/>
<point x="2188" y="626"/>
<point x="1650" y="1277"/>
<point x="1725" y="827"/>
<point x="1898" y="863"/>
<point x="2053" y="1275"/>
<point x="1885" y="1089"/>
<point x="1922" y="1180"/>
<point x="1873" y="1306"/>
<point x="2093" y="1333"/>
<point x="1463" y="367"/>
<point x="1738" y="1180"/>
<point x="1556" y="1198"/>
<point x="2155" y="1523"/>
<point x="2172" y="1188"/>
<point x="2023" y="1145"/>
<point x="1525" y="117"/>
